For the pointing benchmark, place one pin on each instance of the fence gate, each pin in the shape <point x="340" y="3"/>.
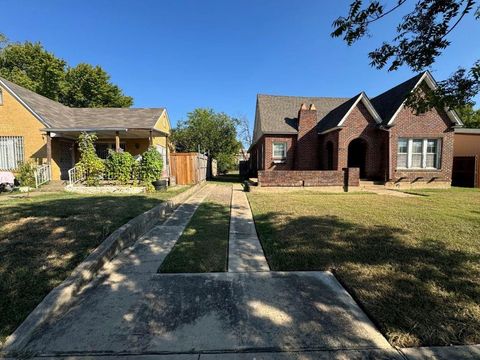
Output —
<point x="189" y="168"/>
<point x="464" y="172"/>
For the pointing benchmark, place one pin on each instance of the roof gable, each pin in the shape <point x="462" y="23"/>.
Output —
<point x="389" y="103"/>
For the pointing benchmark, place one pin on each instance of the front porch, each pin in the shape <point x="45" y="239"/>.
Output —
<point x="63" y="154"/>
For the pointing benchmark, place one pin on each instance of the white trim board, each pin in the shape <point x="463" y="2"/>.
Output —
<point x="432" y="85"/>
<point x="366" y="101"/>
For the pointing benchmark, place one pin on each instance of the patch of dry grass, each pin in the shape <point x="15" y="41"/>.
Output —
<point x="413" y="263"/>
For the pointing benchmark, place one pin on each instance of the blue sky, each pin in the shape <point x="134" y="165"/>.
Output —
<point x="184" y="54"/>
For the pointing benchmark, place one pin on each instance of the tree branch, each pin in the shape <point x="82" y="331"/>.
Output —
<point x="467" y="9"/>
<point x="400" y="3"/>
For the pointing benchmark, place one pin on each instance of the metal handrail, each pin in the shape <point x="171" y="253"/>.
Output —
<point x="76" y="175"/>
<point x="43" y="174"/>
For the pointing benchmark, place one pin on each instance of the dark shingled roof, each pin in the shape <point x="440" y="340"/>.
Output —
<point x="278" y="114"/>
<point x="58" y="116"/>
<point x="388" y="102"/>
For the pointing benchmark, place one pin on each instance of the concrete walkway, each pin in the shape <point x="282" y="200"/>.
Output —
<point x="245" y="252"/>
<point x="131" y="311"/>
<point x="239" y="314"/>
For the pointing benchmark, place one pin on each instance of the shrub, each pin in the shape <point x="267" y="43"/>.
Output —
<point x="151" y="166"/>
<point x="26" y="174"/>
<point x="89" y="162"/>
<point x="120" y="166"/>
<point x="225" y="162"/>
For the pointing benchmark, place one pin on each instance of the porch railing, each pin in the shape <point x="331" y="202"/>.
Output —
<point x="76" y="175"/>
<point x="43" y="174"/>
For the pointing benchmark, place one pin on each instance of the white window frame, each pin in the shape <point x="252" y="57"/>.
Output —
<point x="424" y="154"/>
<point x="284" y="155"/>
<point x="12" y="152"/>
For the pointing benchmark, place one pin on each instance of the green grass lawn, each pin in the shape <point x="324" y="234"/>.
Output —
<point x="413" y="263"/>
<point x="44" y="237"/>
<point x="203" y="245"/>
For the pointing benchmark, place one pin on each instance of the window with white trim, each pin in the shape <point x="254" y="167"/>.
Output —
<point x="11" y="152"/>
<point x="418" y="153"/>
<point x="279" y="150"/>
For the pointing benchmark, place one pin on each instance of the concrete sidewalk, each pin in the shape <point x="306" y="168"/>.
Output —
<point x="245" y="251"/>
<point x="219" y="313"/>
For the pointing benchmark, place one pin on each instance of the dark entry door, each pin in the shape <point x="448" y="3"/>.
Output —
<point x="357" y="155"/>
<point x="66" y="161"/>
<point x="464" y="173"/>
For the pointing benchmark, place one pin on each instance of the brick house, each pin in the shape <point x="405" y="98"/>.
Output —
<point x="311" y="141"/>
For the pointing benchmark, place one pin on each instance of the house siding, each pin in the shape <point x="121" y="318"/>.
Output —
<point x="468" y="145"/>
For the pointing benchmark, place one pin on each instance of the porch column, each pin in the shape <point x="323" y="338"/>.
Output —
<point x="49" y="148"/>
<point x="117" y="141"/>
<point x="150" y="138"/>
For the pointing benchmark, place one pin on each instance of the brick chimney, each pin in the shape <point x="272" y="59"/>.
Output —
<point x="307" y="151"/>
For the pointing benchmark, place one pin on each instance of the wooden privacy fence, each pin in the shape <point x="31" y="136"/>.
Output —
<point x="191" y="168"/>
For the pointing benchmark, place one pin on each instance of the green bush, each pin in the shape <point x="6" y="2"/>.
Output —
<point x="151" y="166"/>
<point x="89" y="162"/>
<point x="225" y="162"/>
<point x="120" y="166"/>
<point x="26" y="174"/>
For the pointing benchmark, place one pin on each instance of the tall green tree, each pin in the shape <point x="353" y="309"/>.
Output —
<point x="90" y="86"/>
<point x="470" y="116"/>
<point x="31" y="66"/>
<point x="209" y="131"/>
<point x="422" y="34"/>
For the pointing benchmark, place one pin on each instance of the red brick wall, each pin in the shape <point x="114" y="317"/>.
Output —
<point x="298" y="178"/>
<point x="324" y="139"/>
<point x="268" y="141"/>
<point x="434" y="125"/>
<point x="307" y="146"/>
<point x="360" y="124"/>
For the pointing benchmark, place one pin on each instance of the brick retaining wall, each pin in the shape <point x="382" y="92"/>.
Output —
<point x="298" y="178"/>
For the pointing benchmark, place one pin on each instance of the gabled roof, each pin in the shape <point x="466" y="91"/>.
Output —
<point x="58" y="116"/>
<point x="387" y="103"/>
<point x="278" y="114"/>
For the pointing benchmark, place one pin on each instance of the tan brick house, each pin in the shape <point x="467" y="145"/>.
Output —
<point x="45" y="131"/>
<point x="314" y="140"/>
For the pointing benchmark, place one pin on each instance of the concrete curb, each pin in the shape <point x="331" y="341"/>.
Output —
<point x="62" y="296"/>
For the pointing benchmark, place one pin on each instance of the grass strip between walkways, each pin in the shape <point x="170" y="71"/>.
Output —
<point x="203" y="245"/>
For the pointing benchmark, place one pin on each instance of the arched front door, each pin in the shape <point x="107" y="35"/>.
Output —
<point x="357" y="155"/>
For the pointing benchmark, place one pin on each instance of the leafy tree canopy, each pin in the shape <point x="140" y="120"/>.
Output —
<point x="209" y="131"/>
<point x="470" y="117"/>
<point x="421" y="36"/>
<point x="31" y="66"/>
<point x="89" y="86"/>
